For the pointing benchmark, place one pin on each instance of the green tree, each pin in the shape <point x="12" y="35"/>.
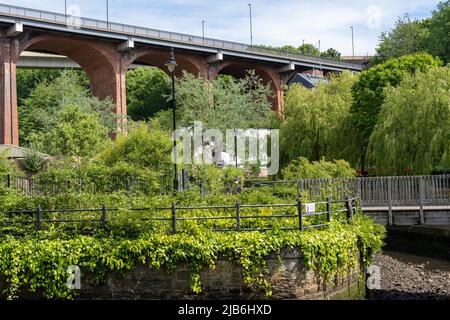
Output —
<point x="28" y="79"/>
<point x="413" y="132"/>
<point x="142" y="147"/>
<point x="301" y="168"/>
<point x="439" y="25"/>
<point x="314" y="118"/>
<point x="331" y="53"/>
<point x="368" y="94"/>
<point x="407" y="37"/>
<point x="224" y="103"/>
<point x="76" y="133"/>
<point x="147" y="91"/>
<point x="306" y="49"/>
<point x="39" y="112"/>
<point x="309" y="49"/>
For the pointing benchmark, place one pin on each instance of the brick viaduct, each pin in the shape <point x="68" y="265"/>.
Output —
<point x="106" y="64"/>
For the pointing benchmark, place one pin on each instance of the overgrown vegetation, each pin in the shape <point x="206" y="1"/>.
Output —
<point x="316" y="120"/>
<point x="413" y="127"/>
<point x="39" y="263"/>
<point x="408" y="36"/>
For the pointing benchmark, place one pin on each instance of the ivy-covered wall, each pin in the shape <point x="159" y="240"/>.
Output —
<point x="36" y="266"/>
<point x="287" y="274"/>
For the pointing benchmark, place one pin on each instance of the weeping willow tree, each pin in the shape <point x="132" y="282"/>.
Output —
<point x="413" y="131"/>
<point x="315" y="120"/>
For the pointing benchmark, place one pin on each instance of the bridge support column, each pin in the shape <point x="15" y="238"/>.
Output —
<point x="112" y="87"/>
<point x="9" y="128"/>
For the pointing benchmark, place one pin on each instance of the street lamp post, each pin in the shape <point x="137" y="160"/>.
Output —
<point x="171" y="65"/>
<point x="353" y="44"/>
<point x="107" y="14"/>
<point x="203" y="31"/>
<point x="251" y="25"/>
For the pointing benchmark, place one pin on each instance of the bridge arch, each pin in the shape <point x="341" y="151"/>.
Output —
<point x="98" y="60"/>
<point x="158" y="58"/>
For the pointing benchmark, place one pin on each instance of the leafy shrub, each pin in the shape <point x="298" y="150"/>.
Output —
<point x="141" y="147"/>
<point x="39" y="263"/>
<point x="303" y="169"/>
<point x="33" y="161"/>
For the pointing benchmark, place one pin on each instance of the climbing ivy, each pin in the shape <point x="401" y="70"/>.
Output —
<point x="38" y="264"/>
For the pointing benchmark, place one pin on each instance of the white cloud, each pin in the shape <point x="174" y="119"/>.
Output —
<point x="275" y="22"/>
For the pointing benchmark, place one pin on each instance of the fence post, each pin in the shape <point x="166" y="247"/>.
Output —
<point x="422" y="196"/>
<point x="104" y="216"/>
<point x="359" y="187"/>
<point x="38" y="218"/>
<point x="174" y="219"/>
<point x="349" y="209"/>
<point x="8" y="181"/>
<point x="329" y="209"/>
<point x="238" y="215"/>
<point x="390" y="215"/>
<point x="300" y="212"/>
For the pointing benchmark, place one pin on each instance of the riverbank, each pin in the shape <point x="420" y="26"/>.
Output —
<point x="411" y="277"/>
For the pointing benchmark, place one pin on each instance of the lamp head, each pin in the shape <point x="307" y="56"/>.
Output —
<point x="171" y="63"/>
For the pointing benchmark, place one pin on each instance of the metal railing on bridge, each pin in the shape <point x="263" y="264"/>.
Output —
<point x="375" y="191"/>
<point x="101" y="25"/>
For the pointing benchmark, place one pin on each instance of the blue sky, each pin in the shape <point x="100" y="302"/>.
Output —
<point x="275" y="22"/>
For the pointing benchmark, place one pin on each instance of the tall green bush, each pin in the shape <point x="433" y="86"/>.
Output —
<point x="413" y="131"/>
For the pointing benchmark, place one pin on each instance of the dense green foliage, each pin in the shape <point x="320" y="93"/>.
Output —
<point x="315" y="119"/>
<point x="368" y="93"/>
<point x="142" y="147"/>
<point x="40" y="263"/>
<point x="331" y="53"/>
<point x="439" y="41"/>
<point x="75" y="133"/>
<point x="413" y="131"/>
<point x="147" y="92"/>
<point x="418" y="36"/>
<point x="33" y="161"/>
<point x="407" y="37"/>
<point x="303" y="169"/>
<point x="225" y="103"/>
<point x="28" y="79"/>
<point x="306" y="49"/>
<point x="39" y="113"/>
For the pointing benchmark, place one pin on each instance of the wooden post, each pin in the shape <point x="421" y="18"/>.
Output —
<point x="359" y="188"/>
<point x="238" y="216"/>
<point x="329" y="209"/>
<point x="422" y="196"/>
<point x="390" y="215"/>
<point x="174" y="219"/>
<point x="300" y="212"/>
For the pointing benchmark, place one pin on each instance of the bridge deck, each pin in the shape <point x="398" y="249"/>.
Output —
<point x="51" y="20"/>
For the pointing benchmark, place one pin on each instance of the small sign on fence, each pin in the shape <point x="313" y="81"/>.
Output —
<point x="310" y="208"/>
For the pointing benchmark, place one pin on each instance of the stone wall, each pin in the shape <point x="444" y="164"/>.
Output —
<point x="289" y="280"/>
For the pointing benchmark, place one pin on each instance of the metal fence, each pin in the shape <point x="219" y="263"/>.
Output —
<point x="375" y="191"/>
<point x="93" y="24"/>
<point x="237" y="215"/>
<point x="46" y="186"/>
